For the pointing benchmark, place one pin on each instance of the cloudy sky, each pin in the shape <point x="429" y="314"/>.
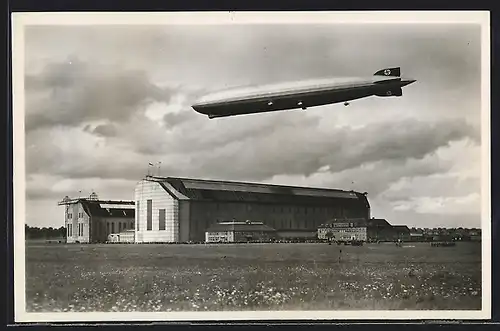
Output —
<point x="104" y="101"/>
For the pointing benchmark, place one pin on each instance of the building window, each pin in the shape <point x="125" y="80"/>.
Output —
<point x="107" y="229"/>
<point x="149" y="215"/>
<point x="119" y="226"/>
<point x="112" y="227"/>
<point x="161" y="219"/>
<point x="137" y="203"/>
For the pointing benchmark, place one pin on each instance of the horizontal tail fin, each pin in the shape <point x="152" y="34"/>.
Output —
<point x="389" y="72"/>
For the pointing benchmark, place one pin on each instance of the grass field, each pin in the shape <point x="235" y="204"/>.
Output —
<point x="251" y="277"/>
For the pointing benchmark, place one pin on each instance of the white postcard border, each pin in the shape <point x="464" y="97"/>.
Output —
<point x="20" y="20"/>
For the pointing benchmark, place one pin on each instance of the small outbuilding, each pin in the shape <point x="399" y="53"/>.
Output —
<point x="239" y="232"/>
<point x="126" y="236"/>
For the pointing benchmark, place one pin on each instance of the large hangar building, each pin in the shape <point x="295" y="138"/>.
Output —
<point x="172" y="209"/>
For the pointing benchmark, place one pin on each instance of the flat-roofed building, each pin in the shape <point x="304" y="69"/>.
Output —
<point x="125" y="236"/>
<point x="344" y="230"/>
<point x="239" y="232"/>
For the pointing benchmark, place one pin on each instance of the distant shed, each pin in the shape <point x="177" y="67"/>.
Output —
<point x="239" y="232"/>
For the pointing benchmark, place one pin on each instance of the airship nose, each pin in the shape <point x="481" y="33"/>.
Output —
<point x="198" y="107"/>
<point x="407" y="82"/>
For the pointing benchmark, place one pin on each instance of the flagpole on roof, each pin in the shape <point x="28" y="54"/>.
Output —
<point x="149" y="167"/>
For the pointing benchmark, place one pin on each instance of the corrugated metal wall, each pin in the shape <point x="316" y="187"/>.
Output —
<point x="148" y="225"/>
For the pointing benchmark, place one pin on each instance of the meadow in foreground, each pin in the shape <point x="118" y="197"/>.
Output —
<point x="153" y="278"/>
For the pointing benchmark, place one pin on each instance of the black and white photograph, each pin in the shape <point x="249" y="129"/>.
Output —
<point x="251" y="165"/>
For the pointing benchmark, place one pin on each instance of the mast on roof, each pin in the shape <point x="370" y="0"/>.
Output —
<point x="93" y="196"/>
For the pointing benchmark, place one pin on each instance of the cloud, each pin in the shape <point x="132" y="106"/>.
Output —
<point x="254" y="149"/>
<point x="455" y="205"/>
<point x="288" y="150"/>
<point x="374" y="177"/>
<point x="434" y="185"/>
<point x="105" y="130"/>
<point x="73" y="92"/>
<point x="54" y="187"/>
<point x="175" y="119"/>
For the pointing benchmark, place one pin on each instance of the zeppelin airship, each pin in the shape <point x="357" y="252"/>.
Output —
<point x="301" y="94"/>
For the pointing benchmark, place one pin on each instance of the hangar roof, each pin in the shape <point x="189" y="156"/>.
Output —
<point x="379" y="222"/>
<point x="214" y="190"/>
<point x="109" y="209"/>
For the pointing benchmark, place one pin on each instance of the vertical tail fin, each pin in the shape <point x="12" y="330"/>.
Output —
<point x="389" y="72"/>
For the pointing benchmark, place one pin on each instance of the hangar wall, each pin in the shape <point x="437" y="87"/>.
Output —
<point x="280" y="217"/>
<point x="156" y="217"/>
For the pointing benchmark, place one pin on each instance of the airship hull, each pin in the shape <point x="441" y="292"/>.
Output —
<point x="283" y="102"/>
<point x="301" y="98"/>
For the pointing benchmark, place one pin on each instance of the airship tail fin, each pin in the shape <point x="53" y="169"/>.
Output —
<point x="389" y="72"/>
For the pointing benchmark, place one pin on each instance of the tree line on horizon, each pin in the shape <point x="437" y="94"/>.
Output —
<point x="44" y="233"/>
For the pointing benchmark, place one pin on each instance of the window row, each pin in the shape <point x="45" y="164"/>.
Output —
<point x="353" y="230"/>
<point x="217" y="238"/>
<point x="149" y="216"/>
<point x="79" y="230"/>
<point x="80" y="215"/>
<point x="120" y="226"/>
